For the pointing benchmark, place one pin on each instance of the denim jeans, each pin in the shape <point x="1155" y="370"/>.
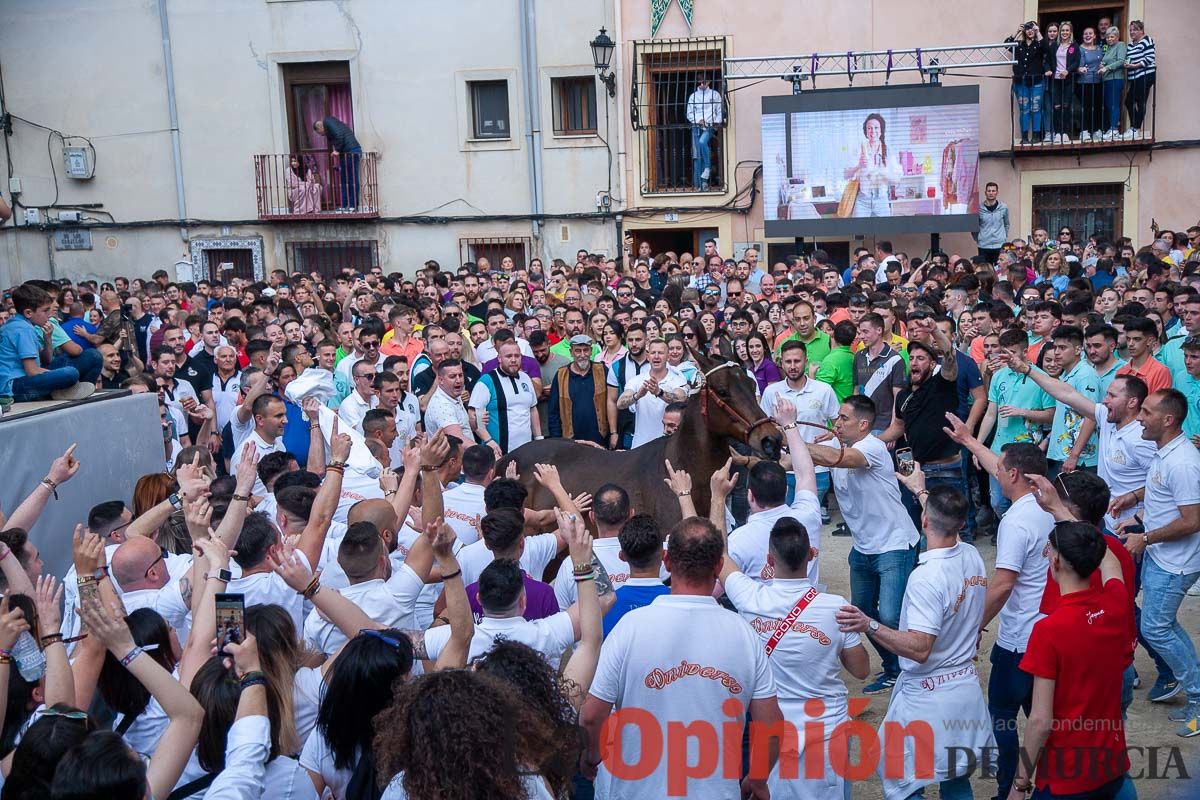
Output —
<point x="1029" y="102"/>
<point x="823" y="484"/>
<point x="1112" y="104"/>
<point x="877" y="584"/>
<point x="350" y="161"/>
<point x="1164" y="591"/>
<point x="701" y="154"/>
<point x="1164" y="669"/>
<point x="872" y="203"/>
<point x="38" y="387"/>
<point x="87" y="363"/>
<point x="1009" y="690"/>
<point x="937" y="475"/>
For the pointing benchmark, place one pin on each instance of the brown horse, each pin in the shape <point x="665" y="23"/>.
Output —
<point x="724" y="407"/>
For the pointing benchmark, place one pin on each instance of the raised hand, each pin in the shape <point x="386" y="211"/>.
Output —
<point x="47" y="599"/>
<point x="247" y="469"/>
<point x="192" y="478"/>
<point x="785" y="411"/>
<point x="312" y="409"/>
<point x="511" y="471"/>
<point x="87" y="550"/>
<point x="214" y="551"/>
<point x="957" y="429"/>
<point x="63" y="468"/>
<point x="547" y="475"/>
<point x="441" y="538"/>
<point x="677" y="480"/>
<point x="579" y="541"/>
<point x="243" y="655"/>
<point x="389" y="481"/>
<point x="582" y="501"/>
<point x="12" y="624"/>
<point x="292" y="569"/>
<point x="107" y="625"/>
<point x="723" y="480"/>
<point x="436" y="450"/>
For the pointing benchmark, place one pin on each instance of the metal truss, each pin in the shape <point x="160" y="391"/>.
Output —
<point x="931" y="62"/>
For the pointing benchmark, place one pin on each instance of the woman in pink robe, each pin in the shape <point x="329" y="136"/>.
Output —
<point x="304" y="195"/>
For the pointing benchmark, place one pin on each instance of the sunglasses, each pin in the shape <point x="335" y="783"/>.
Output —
<point x="391" y="641"/>
<point x="369" y="345"/>
<point x="161" y="556"/>
<point x="624" y="294"/>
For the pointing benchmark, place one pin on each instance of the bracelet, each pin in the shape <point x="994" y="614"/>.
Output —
<point x="429" y="468"/>
<point x="84" y="580"/>
<point x="313" y="587"/>
<point x="6" y="659"/>
<point x="442" y="618"/>
<point x="245" y="683"/>
<point x="454" y="574"/>
<point x="791" y="426"/>
<point x="336" y="465"/>
<point x="923" y="491"/>
<point x="131" y="655"/>
<point x="390" y="493"/>
<point x="245" y="498"/>
<point x="313" y="426"/>
<point x="51" y="638"/>
<point x="591" y="576"/>
<point x="51" y="485"/>
<point x="684" y="494"/>
<point x="250" y="676"/>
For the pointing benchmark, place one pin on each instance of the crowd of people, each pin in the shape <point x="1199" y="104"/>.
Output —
<point x="333" y="451"/>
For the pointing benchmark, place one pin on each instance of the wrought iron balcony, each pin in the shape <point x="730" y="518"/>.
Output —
<point x="317" y="186"/>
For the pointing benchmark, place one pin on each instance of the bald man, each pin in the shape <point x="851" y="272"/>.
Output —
<point x="379" y="513"/>
<point x="140" y="568"/>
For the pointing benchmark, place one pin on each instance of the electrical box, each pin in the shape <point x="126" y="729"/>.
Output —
<point x="14" y="185"/>
<point x="78" y="162"/>
<point x="33" y="216"/>
<point x="70" y="216"/>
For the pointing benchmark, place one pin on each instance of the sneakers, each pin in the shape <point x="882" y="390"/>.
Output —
<point x="1048" y="138"/>
<point x="1194" y="591"/>
<point x="1184" y="713"/>
<point x="1191" y="725"/>
<point x="79" y="391"/>
<point x="1024" y="141"/>
<point x="824" y="516"/>
<point x="1109" y="135"/>
<point x="1128" y="135"/>
<point x="841" y="529"/>
<point x="1163" y="690"/>
<point x="882" y="683"/>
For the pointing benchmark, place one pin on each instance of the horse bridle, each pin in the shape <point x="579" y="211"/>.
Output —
<point x="706" y="392"/>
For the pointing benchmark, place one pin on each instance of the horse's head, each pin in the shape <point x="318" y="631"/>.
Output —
<point x="730" y="407"/>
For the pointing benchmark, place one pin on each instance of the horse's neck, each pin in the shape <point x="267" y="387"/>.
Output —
<point x="694" y="440"/>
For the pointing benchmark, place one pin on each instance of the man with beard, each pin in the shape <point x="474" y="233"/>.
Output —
<point x="508" y="397"/>
<point x="804" y="329"/>
<point x="622" y="371"/>
<point x="578" y="397"/>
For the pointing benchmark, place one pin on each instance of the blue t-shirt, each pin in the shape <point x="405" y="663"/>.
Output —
<point x="70" y="328"/>
<point x="18" y="341"/>
<point x="630" y="597"/>
<point x="969" y="379"/>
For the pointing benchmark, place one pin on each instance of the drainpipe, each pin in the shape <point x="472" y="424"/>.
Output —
<point x="533" y="113"/>
<point x="173" y="110"/>
<point x="618" y="58"/>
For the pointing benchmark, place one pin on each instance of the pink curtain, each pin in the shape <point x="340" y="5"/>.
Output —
<point x="339" y="103"/>
<point x="313" y="109"/>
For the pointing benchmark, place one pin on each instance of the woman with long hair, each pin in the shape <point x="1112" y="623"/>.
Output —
<point x="1029" y="67"/>
<point x="1051" y="269"/>
<point x="59" y="728"/>
<point x="596" y="324"/>
<point x="694" y="336"/>
<point x="150" y="490"/>
<point x="303" y="185"/>
<point x="1089" y="87"/>
<point x="612" y="343"/>
<point x="653" y="326"/>
<point x="678" y="357"/>
<point x="764" y="369"/>
<point x="876" y="170"/>
<point x="1065" y="66"/>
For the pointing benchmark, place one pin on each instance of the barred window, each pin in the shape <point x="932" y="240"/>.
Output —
<point x="495" y="249"/>
<point x="1085" y="208"/>
<point x="330" y="258"/>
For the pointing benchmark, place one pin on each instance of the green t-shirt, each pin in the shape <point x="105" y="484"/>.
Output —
<point x="58" y="337"/>
<point x="563" y="348"/>
<point x="1171" y="356"/>
<point x="817" y="349"/>
<point x="1107" y="377"/>
<point x="1065" y="430"/>
<point x="1010" y="389"/>
<point x="837" y="370"/>
<point x="1191" y="390"/>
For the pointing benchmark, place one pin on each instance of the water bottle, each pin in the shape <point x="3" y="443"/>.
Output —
<point x="31" y="661"/>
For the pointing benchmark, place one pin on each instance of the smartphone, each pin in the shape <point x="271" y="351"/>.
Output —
<point x="904" y="460"/>
<point x="231" y="620"/>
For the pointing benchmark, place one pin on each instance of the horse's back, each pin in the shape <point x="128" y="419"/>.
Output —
<point x="580" y="467"/>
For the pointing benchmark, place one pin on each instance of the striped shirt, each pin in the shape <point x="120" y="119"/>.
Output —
<point x="1141" y="54"/>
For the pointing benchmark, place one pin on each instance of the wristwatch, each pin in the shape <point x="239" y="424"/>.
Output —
<point x="873" y="626"/>
<point x="223" y="575"/>
<point x="175" y="500"/>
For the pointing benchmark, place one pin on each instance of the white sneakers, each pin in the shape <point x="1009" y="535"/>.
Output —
<point x="80" y="391"/>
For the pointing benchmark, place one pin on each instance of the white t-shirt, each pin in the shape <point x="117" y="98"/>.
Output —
<point x="748" y="544"/>
<point x="267" y="588"/>
<point x="869" y="498"/>
<point x="408" y="416"/>
<point x="1022" y="546"/>
<point x="815" y="402"/>
<point x="262" y="448"/>
<point x="317" y="757"/>
<point x="539" y="551"/>
<point x="285" y="779"/>
<point x="807" y="660"/>
<point x="550" y="636"/>
<point x="679" y="658"/>
<point x="608" y="551"/>
<point x="520" y="399"/>
<point x="306" y="700"/>
<point x="353" y="409"/>
<point x="1123" y="461"/>
<point x="356" y="486"/>
<point x="445" y="410"/>
<point x="1174" y="481"/>
<point x="486" y="350"/>
<point x="225" y="397"/>
<point x="945" y="598"/>
<point x="648" y="411"/>
<point x="387" y="602"/>
<point x="463" y="509"/>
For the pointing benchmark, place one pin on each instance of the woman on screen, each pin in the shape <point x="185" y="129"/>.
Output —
<point x="875" y="170"/>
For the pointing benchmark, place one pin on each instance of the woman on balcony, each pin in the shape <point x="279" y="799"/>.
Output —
<point x="1089" y="88"/>
<point x="304" y="187"/>
<point x="1112" y="72"/>
<point x="1141" y="66"/>
<point x="1029" y="68"/>
<point x="1062" y="85"/>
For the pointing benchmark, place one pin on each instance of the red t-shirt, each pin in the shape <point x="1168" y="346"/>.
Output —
<point x="1128" y="571"/>
<point x="1080" y="647"/>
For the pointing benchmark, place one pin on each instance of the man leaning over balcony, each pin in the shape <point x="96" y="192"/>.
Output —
<point x="343" y="143"/>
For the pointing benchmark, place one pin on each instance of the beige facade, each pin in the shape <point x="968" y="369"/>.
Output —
<point x="1154" y="183"/>
<point x="97" y="70"/>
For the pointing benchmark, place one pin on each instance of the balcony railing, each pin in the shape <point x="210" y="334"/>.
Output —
<point x="317" y="186"/>
<point x="1070" y="115"/>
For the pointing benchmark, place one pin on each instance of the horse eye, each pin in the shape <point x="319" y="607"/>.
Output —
<point x="723" y="392"/>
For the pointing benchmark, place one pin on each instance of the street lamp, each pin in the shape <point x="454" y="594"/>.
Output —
<point x="602" y="50"/>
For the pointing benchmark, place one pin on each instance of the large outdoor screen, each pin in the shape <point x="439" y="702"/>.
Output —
<point x="872" y="161"/>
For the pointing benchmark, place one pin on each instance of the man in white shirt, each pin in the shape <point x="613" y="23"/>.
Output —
<point x="140" y="569"/>
<point x="445" y="409"/>
<point x="509" y="398"/>
<point x="464" y="505"/>
<point x="807" y="652"/>
<point x="815" y="402"/>
<point x="270" y="418"/>
<point x="533" y="552"/>
<point x="748" y="545"/>
<point x="682" y="661"/>
<point x="403" y="406"/>
<point x="706" y="112"/>
<point x="366" y="348"/>
<point x="386" y="594"/>
<point x="226" y="384"/>
<point x="502" y="596"/>
<point x="939" y="626"/>
<point x="1169" y="547"/>
<point x="1015" y="589"/>
<point x="610" y="511"/>
<point x="1124" y="454"/>
<point x="362" y="399"/>
<point x="497" y="320"/>
<point x="885" y="539"/>
<point x="649" y="393"/>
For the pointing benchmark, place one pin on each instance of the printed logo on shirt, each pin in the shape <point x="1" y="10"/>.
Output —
<point x="1092" y="616"/>
<point x="768" y="572"/>
<point x="974" y="580"/>
<point x="1157" y="479"/>
<point x="769" y="625"/>
<point x="660" y="679"/>
<point x="470" y="519"/>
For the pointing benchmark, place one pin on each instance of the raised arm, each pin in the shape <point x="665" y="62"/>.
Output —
<point x="720" y="485"/>
<point x="62" y="469"/>
<point x="328" y="496"/>
<point x="957" y="430"/>
<point x="316" y="441"/>
<point x="942" y="343"/>
<point x="59" y="684"/>
<point x="590" y="621"/>
<point x="1060" y="390"/>
<point x="802" y="462"/>
<point x="680" y="482"/>
<point x="12" y="625"/>
<point x="248" y="746"/>
<point x="239" y="505"/>
<point x="211" y="556"/>
<point x="454" y="594"/>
